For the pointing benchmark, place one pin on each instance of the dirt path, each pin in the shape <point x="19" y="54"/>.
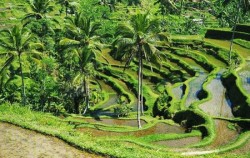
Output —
<point x="16" y="142"/>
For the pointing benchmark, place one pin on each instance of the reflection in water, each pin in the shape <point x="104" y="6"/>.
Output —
<point x="219" y="104"/>
<point x="195" y="86"/>
<point x="177" y="92"/>
<point x="229" y="103"/>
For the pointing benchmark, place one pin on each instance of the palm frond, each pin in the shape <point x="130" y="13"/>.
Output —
<point x="36" y="46"/>
<point x="125" y="30"/>
<point x="131" y="56"/>
<point x="7" y="63"/>
<point x="6" y="44"/>
<point x="77" y="79"/>
<point x="68" y="42"/>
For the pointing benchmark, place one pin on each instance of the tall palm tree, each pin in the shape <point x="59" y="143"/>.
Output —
<point x="242" y="6"/>
<point x="85" y="59"/>
<point x="139" y="39"/>
<point x="16" y="42"/>
<point x="39" y="9"/>
<point x="82" y="39"/>
<point x="81" y="31"/>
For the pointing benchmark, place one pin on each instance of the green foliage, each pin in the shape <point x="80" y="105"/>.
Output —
<point x="123" y="109"/>
<point x="161" y="106"/>
<point x="230" y="11"/>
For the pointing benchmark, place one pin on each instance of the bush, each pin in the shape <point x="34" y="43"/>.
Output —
<point x="161" y="106"/>
<point x="122" y="110"/>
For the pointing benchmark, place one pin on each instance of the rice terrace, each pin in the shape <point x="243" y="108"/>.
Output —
<point x="125" y="78"/>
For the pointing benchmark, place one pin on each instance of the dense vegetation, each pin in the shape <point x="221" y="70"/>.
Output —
<point x="128" y="58"/>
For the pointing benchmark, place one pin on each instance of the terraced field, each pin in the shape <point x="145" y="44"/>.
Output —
<point x="207" y="110"/>
<point x="204" y="92"/>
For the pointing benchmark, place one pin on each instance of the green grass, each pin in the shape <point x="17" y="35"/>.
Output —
<point x="198" y="58"/>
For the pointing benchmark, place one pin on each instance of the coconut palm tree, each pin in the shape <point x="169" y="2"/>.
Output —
<point x="241" y="6"/>
<point x="16" y="42"/>
<point x="139" y="38"/>
<point x="82" y="39"/>
<point x="39" y="9"/>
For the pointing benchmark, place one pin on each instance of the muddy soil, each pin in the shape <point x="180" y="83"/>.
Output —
<point x="224" y="135"/>
<point x="159" y="128"/>
<point x="119" y="122"/>
<point x="16" y="142"/>
<point x="179" y="142"/>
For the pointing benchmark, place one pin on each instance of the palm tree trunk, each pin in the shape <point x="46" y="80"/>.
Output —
<point x="86" y="84"/>
<point x="23" y="88"/>
<point x="139" y="88"/>
<point x="142" y="108"/>
<point x="231" y="45"/>
<point x="66" y="10"/>
<point x="232" y="39"/>
<point x="181" y="7"/>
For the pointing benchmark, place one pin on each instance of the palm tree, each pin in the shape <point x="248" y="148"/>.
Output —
<point x="39" y="10"/>
<point x="82" y="39"/>
<point x="242" y="6"/>
<point x="63" y="3"/>
<point x="16" y="42"/>
<point x="85" y="59"/>
<point x="139" y="39"/>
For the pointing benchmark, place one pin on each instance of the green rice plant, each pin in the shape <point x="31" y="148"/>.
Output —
<point x="181" y="63"/>
<point x="201" y="60"/>
<point x="243" y="43"/>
